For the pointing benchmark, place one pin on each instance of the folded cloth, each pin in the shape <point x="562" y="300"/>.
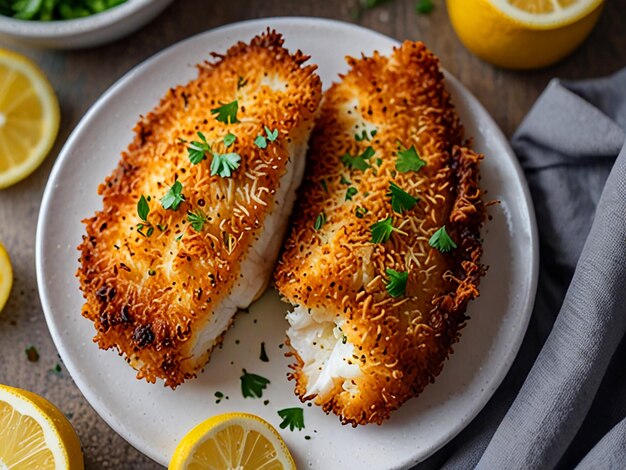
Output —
<point x="563" y="402"/>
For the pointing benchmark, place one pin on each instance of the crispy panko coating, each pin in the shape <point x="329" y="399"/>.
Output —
<point x="361" y="353"/>
<point x="164" y="297"/>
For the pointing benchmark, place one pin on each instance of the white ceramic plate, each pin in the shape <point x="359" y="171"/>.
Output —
<point x="153" y="418"/>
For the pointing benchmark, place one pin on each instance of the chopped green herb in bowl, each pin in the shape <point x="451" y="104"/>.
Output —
<point x="51" y="10"/>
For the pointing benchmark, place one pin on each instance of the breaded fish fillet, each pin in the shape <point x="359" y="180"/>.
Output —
<point x="194" y="215"/>
<point x="384" y="251"/>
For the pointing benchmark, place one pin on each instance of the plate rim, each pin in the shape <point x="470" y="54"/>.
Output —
<point x="101" y="408"/>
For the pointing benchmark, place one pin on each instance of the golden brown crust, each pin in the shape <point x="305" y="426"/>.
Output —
<point x="148" y="296"/>
<point x="400" y="343"/>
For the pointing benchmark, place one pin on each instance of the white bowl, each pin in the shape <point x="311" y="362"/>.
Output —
<point x="82" y="32"/>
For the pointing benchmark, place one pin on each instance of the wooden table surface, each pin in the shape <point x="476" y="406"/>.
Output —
<point x="79" y="77"/>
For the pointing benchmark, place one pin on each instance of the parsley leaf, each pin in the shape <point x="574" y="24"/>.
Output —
<point x="223" y="164"/>
<point x="197" y="150"/>
<point x="409" y="160"/>
<point x="229" y="139"/>
<point x="227" y="113"/>
<point x="271" y="135"/>
<point x="381" y="230"/>
<point x="260" y="142"/>
<point x="424" y="7"/>
<point x="292" y="417"/>
<point x="252" y="385"/>
<point x="197" y="219"/>
<point x="173" y="197"/>
<point x="320" y="221"/>
<point x="396" y="286"/>
<point x="400" y="199"/>
<point x="358" y="162"/>
<point x="442" y="241"/>
<point x="57" y="369"/>
<point x="344" y="180"/>
<point x="360" y="212"/>
<point x="143" y="209"/>
<point x="350" y="193"/>
<point x="324" y="185"/>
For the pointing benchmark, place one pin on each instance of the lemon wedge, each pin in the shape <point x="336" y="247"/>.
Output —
<point x="35" y="434"/>
<point x="523" y="34"/>
<point x="29" y="117"/>
<point x="6" y="277"/>
<point x="232" y="441"/>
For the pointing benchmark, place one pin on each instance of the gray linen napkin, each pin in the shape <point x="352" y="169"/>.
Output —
<point x="563" y="402"/>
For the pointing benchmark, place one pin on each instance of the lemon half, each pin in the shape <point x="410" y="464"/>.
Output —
<point x="29" y="117"/>
<point x="232" y="441"/>
<point x="35" y="434"/>
<point x="523" y="34"/>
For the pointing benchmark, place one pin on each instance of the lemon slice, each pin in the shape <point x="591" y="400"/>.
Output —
<point x="35" y="434"/>
<point x="6" y="277"/>
<point x="545" y="12"/>
<point x="29" y="117"/>
<point x="232" y="441"/>
<point x="523" y="34"/>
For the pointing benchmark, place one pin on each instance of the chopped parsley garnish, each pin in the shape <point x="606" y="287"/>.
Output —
<point x="344" y="180"/>
<point x="252" y="385"/>
<point x="227" y="113"/>
<point x="350" y="192"/>
<point x="379" y="161"/>
<point x="320" y="220"/>
<point x="32" y="354"/>
<point x="359" y="162"/>
<point x="162" y="227"/>
<point x="173" y="197"/>
<point x="292" y="417"/>
<point x="409" y="160"/>
<point x="271" y="135"/>
<point x="56" y="370"/>
<point x="198" y="150"/>
<point x="364" y="135"/>
<point x="229" y="139"/>
<point x="219" y="397"/>
<point x="442" y="241"/>
<point x="400" y="199"/>
<point x="148" y="233"/>
<point x="223" y="164"/>
<point x="241" y="82"/>
<point x="197" y="219"/>
<point x="179" y="237"/>
<point x="381" y="230"/>
<point x="360" y="212"/>
<point x="263" y="357"/>
<point x="143" y="209"/>
<point x="396" y="286"/>
<point x="324" y="185"/>
<point x="260" y="142"/>
<point x="151" y="272"/>
<point x="423" y="7"/>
